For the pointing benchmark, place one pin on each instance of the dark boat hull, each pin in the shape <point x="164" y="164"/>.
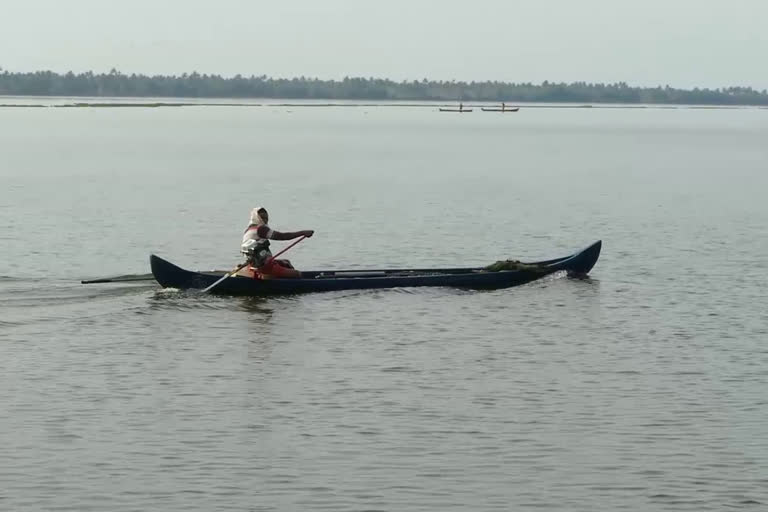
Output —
<point x="171" y="276"/>
<point x="484" y="109"/>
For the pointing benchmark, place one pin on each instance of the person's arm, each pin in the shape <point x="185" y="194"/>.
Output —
<point x="290" y="235"/>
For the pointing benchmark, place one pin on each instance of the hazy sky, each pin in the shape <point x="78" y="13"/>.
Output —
<point x="683" y="43"/>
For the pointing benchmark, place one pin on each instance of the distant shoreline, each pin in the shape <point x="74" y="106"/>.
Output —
<point x="167" y="89"/>
<point x="346" y="104"/>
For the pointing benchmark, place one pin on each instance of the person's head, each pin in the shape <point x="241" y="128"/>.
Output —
<point x="259" y="216"/>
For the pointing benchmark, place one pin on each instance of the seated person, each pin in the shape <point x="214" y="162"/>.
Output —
<point x="255" y="246"/>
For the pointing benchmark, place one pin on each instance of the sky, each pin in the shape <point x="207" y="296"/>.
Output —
<point x="682" y="43"/>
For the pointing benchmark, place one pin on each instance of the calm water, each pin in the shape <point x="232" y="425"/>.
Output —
<point x="644" y="388"/>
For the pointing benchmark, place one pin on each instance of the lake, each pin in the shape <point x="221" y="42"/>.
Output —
<point x="644" y="387"/>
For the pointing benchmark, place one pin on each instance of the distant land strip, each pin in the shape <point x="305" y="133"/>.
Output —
<point x="116" y="84"/>
<point x="108" y="104"/>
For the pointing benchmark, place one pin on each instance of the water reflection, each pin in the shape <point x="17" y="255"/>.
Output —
<point x="260" y="309"/>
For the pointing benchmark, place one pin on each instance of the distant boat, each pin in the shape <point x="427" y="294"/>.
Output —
<point x="460" y="109"/>
<point x="503" y="108"/>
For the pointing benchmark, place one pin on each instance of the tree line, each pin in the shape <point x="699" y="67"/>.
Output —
<point x="196" y="85"/>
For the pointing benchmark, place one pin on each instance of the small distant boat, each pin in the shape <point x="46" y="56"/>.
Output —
<point x="460" y="109"/>
<point x="503" y="108"/>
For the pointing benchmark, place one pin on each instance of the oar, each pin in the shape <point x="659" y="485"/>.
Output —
<point x="228" y="274"/>
<point x="237" y="269"/>
<point x="270" y="260"/>
<point x="119" y="279"/>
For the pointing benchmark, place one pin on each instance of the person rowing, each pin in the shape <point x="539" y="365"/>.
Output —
<point x="255" y="247"/>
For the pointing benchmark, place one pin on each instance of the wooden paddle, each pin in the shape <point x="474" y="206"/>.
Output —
<point x="228" y="274"/>
<point x="237" y="269"/>
<point x="119" y="279"/>
<point x="271" y="259"/>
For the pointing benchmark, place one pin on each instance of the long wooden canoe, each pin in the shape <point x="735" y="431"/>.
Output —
<point x="171" y="276"/>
